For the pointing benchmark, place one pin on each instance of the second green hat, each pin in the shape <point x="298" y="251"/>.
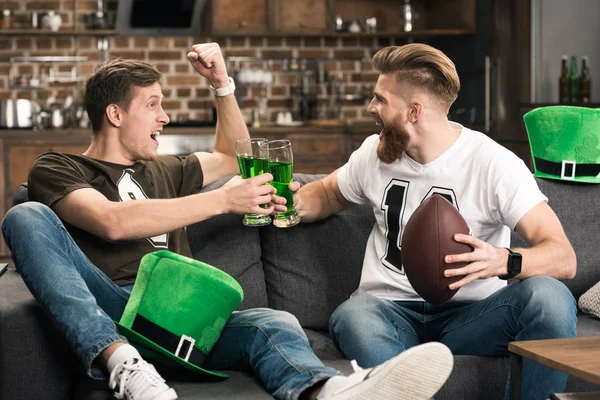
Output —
<point x="565" y="142"/>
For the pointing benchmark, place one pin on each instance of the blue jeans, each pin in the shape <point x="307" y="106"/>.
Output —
<point x="536" y="308"/>
<point x="83" y="302"/>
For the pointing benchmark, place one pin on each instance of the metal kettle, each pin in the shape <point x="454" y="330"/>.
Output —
<point x="19" y="113"/>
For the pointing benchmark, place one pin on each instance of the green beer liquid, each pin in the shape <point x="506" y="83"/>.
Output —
<point x="282" y="176"/>
<point x="250" y="166"/>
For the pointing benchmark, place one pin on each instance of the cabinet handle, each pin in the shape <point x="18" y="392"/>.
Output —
<point x="243" y="24"/>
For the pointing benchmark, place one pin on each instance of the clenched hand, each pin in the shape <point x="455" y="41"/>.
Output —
<point x="207" y="59"/>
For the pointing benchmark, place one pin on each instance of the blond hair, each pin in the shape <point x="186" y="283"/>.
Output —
<point x="421" y="66"/>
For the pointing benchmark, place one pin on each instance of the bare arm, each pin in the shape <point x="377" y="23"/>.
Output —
<point x="550" y="254"/>
<point x="230" y="127"/>
<point x="320" y="199"/>
<point x="91" y="211"/>
<point x="208" y="60"/>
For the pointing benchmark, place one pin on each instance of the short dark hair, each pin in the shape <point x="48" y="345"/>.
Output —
<point x="113" y="82"/>
<point x="422" y="66"/>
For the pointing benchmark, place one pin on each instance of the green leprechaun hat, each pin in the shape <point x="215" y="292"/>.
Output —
<point x="177" y="310"/>
<point x="565" y="142"/>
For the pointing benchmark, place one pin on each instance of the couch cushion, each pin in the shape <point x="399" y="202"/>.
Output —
<point x="225" y="243"/>
<point x="311" y="284"/>
<point x="325" y="348"/>
<point x="577" y="205"/>
<point x="587" y="325"/>
<point x="35" y="360"/>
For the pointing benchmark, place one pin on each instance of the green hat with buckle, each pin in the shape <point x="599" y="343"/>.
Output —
<point x="565" y="142"/>
<point x="177" y="310"/>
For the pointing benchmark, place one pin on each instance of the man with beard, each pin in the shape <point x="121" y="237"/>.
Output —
<point x="420" y="153"/>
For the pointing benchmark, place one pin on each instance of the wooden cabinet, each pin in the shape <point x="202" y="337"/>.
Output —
<point x="300" y="16"/>
<point x="450" y="14"/>
<point x="316" y="150"/>
<point x="22" y="155"/>
<point x="240" y="16"/>
<point x="18" y="150"/>
<point x="317" y="153"/>
<point x="317" y="17"/>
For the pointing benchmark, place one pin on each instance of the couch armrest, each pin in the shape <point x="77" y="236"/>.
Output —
<point x="35" y="360"/>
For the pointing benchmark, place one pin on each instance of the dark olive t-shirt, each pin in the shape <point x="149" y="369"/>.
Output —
<point x="54" y="175"/>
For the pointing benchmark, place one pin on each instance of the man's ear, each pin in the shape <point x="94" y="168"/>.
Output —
<point x="114" y="114"/>
<point x="416" y="110"/>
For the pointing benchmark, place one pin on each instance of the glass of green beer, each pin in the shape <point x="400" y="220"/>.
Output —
<point x="281" y="167"/>
<point x="252" y="156"/>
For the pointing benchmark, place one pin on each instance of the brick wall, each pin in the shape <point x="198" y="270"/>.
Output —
<point x="186" y="93"/>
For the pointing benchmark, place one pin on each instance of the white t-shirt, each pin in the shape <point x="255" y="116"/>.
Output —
<point x="490" y="186"/>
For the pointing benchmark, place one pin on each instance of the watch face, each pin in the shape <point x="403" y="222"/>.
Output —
<point x="515" y="262"/>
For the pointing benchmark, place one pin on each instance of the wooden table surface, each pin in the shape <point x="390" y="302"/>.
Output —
<point x="579" y="357"/>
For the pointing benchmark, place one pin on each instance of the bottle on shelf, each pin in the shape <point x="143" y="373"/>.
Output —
<point x="563" y="82"/>
<point x="574" y="82"/>
<point x="308" y="104"/>
<point x="585" y="81"/>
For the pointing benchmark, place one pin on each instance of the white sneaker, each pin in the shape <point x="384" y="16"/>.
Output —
<point x="135" y="379"/>
<point x="415" y="374"/>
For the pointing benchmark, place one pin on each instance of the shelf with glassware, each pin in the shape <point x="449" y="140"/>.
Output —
<point x="66" y="19"/>
<point x="316" y="94"/>
<point x="48" y="75"/>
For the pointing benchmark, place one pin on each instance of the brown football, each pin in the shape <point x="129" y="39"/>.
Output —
<point x="427" y="238"/>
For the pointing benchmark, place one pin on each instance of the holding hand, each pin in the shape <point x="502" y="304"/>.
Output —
<point x="294" y="187"/>
<point x="246" y="195"/>
<point x="207" y="59"/>
<point x="485" y="261"/>
<point x="278" y="203"/>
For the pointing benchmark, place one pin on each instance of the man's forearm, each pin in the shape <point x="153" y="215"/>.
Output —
<point x="146" y="218"/>
<point x="317" y="202"/>
<point x="230" y="125"/>
<point x="552" y="257"/>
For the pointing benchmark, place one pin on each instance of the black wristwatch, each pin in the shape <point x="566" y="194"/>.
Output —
<point x="514" y="264"/>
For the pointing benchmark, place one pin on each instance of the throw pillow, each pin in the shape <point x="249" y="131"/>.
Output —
<point x="589" y="302"/>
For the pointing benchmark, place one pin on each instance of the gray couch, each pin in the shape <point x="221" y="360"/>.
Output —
<point x="307" y="270"/>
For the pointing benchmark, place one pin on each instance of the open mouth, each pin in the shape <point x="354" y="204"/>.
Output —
<point x="154" y="136"/>
<point x="381" y="132"/>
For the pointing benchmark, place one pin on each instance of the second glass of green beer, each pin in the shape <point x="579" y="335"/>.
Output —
<point x="281" y="167"/>
<point x="252" y="156"/>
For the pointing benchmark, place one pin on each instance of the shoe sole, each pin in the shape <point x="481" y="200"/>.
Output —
<point x="416" y="374"/>
<point x="166" y="395"/>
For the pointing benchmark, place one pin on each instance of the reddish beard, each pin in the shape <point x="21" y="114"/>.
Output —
<point x="393" y="141"/>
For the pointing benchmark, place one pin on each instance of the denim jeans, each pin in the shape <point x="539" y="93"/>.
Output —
<point x="83" y="302"/>
<point x="535" y="308"/>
